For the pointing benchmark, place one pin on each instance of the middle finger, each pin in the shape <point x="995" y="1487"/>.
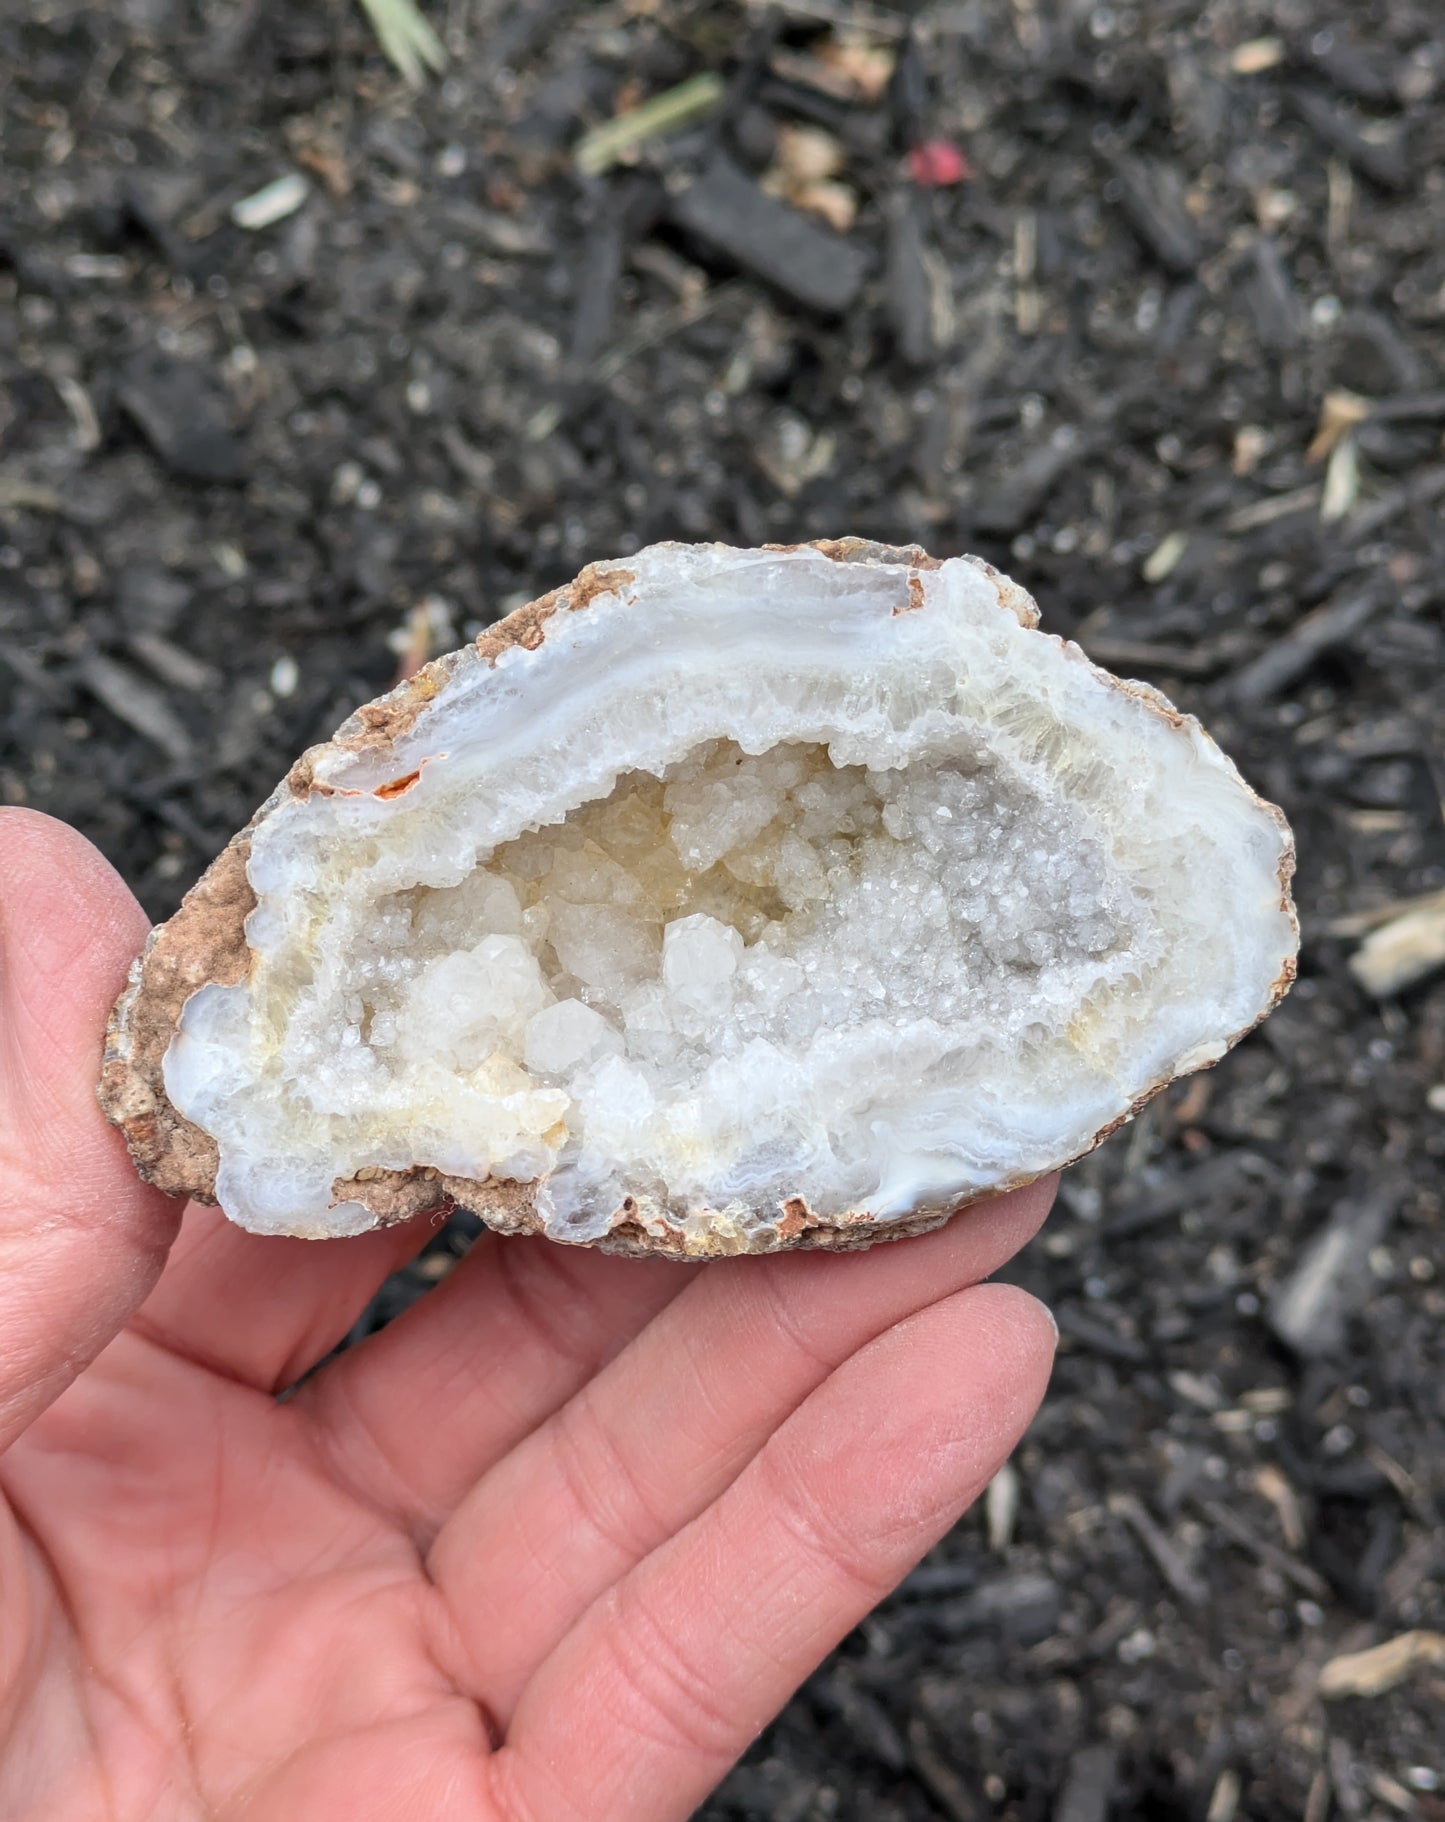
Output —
<point x="671" y="1422"/>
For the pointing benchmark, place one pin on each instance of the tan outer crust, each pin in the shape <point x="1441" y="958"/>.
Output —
<point x="205" y="942"/>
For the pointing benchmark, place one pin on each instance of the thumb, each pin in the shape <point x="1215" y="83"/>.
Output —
<point x="82" y="1239"/>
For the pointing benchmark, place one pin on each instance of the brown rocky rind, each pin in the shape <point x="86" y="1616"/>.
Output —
<point x="205" y="942"/>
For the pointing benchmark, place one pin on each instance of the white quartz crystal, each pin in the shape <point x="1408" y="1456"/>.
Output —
<point x="700" y="957"/>
<point x="565" y="1035"/>
<point x="763" y="876"/>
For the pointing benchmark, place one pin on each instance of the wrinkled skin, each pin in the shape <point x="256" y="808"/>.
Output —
<point x="553" y="1546"/>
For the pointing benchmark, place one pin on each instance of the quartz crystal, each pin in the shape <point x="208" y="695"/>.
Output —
<point x="720" y="901"/>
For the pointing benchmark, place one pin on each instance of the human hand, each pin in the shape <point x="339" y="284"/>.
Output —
<point x="553" y="1546"/>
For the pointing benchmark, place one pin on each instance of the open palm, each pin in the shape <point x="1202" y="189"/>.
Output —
<point x="553" y="1546"/>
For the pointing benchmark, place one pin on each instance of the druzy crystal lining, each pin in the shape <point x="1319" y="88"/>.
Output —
<point x="725" y="965"/>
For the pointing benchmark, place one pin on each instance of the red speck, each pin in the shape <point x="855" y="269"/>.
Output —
<point x="938" y="161"/>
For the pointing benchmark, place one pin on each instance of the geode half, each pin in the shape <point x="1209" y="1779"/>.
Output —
<point x="720" y="901"/>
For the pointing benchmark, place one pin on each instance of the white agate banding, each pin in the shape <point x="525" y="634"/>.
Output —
<point x="721" y="901"/>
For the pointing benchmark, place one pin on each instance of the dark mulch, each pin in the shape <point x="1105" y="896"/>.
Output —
<point x="236" y="464"/>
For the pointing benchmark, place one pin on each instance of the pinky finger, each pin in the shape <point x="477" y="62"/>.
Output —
<point x="665" y="1680"/>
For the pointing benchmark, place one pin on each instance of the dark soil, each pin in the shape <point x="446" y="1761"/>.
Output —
<point x="239" y="469"/>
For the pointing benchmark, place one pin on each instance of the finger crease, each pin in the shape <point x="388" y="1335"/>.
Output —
<point x="336" y="1433"/>
<point x="672" y="1691"/>
<point x="630" y="1537"/>
<point x="156" y="1335"/>
<point x="803" y="1518"/>
<point x="793" y="1329"/>
<point x="535" y="1303"/>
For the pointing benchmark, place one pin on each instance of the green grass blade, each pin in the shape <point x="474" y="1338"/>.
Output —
<point x="409" y="42"/>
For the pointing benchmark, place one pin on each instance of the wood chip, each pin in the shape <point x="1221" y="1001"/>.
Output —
<point x="1383" y="161"/>
<point x="181" y="669"/>
<point x="20" y="495"/>
<point x="1342" y="482"/>
<point x="1013" y="499"/>
<point x="82" y="413"/>
<point x="725" y="208"/>
<point x="273" y="203"/>
<point x="1382" y="1667"/>
<point x="844" y="15"/>
<point x="1402" y="951"/>
<point x="1311" y="1307"/>
<point x="1251" y="444"/>
<point x="1180" y="1575"/>
<point x="1256" y="55"/>
<point x="1317" y="1803"/>
<point x="1421" y="490"/>
<point x="133" y="701"/>
<point x="919" y="295"/>
<point x="836" y="203"/>
<point x="805" y="174"/>
<point x="806" y="154"/>
<point x="31" y="672"/>
<point x="1182" y="660"/>
<point x="183" y="411"/>
<point x="1089" y="1785"/>
<point x="1271" y="1484"/>
<point x="1224" y="1799"/>
<point x="1163" y="560"/>
<point x="1392" y="1791"/>
<point x="1151" y="198"/>
<point x="1275" y="506"/>
<point x="1272" y="300"/>
<point x="865" y="1717"/>
<point x="1271" y="1555"/>
<point x="865" y="68"/>
<point x="938" y="1777"/>
<point x="1001" y="1505"/>
<point x="1196" y="1390"/>
<point x="1340" y="411"/>
<point x="1360" y="923"/>
<point x="1028" y="298"/>
<point x="1289" y="658"/>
